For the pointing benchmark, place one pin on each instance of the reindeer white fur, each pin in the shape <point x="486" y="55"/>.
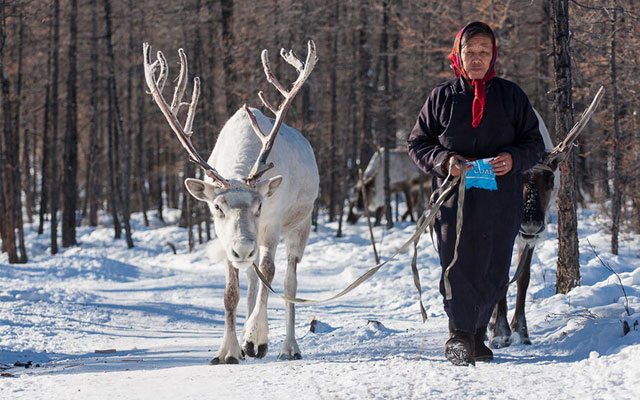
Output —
<point x="404" y="176"/>
<point x="286" y="197"/>
<point x="402" y="170"/>
<point x="250" y="214"/>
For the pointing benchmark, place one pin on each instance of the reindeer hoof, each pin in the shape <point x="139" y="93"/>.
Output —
<point x="228" y="360"/>
<point x="287" y="357"/>
<point x="250" y="350"/>
<point x="500" y="342"/>
<point x="262" y="350"/>
<point x="247" y="348"/>
<point x="526" y="341"/>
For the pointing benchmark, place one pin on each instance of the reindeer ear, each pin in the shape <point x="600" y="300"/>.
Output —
<point x="269" y="187"/>
<point x="201" y="190"/>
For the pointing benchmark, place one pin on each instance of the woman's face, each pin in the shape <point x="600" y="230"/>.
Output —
<point x="476" y="56"/>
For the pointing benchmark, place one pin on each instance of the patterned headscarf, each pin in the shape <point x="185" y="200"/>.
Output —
<point x="478" y="85"/>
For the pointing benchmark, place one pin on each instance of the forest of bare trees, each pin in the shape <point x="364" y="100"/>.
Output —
<point x="82" y="142"/>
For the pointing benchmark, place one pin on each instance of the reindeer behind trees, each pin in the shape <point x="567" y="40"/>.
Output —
<point x="253" y="203"/>
<point x="404" y="177"/>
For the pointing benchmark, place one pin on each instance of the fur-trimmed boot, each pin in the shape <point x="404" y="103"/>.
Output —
<point x="481" y="351"/>
<point x="459" y="349"/>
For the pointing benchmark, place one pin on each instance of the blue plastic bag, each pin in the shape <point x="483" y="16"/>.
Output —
<point x="481" y="176"/>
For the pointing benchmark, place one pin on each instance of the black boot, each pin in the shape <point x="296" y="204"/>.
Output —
<point x="459" y="349"/>
<point x="481" y="351"/>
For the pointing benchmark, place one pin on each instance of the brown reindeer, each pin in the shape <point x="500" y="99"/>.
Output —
<point x="540" y="185"/>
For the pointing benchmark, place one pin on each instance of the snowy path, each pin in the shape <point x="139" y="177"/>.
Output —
<point x="163" y="315"/>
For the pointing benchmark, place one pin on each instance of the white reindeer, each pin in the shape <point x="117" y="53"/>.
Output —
<point x="404" y="176"/>
<point x="251" y="214"/>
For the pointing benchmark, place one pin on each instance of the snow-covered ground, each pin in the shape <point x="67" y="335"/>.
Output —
<point x="161" y="316"/>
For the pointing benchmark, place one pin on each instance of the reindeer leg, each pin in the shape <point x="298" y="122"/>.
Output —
<point x="256" y="330"/>
<point x="499" y="327"/>
<point x="296" y="242"/>
<point x="252" y="290"/>
<point x="407" y="195"/>
<point x="230" y="351"/>
<point x="290" y="349"/>
<point x="519" y="321"/>
<point x="379" y="212"/>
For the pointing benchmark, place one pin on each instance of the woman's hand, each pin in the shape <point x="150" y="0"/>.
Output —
<point x="455" y="160"/>
<point x="502" y="164"/>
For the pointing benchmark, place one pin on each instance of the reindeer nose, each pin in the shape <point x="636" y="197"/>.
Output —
<point x="243" y="250"/>
<point x="530" y="230"/>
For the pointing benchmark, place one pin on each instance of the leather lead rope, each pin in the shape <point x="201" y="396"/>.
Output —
<point x="426" y="220"/>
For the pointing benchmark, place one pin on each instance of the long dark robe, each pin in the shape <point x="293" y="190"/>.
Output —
<point x="490" y="218"/>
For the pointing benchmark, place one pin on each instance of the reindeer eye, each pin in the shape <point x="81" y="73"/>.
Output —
<point x="259" y="209"/>
<point x="218" y="210"/>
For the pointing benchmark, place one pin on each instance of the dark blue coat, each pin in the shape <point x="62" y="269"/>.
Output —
<point x="490" y="218"/>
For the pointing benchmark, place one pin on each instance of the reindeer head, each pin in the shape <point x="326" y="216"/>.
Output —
<point x="540" y="183"/>
<point x="236" y="205"/>
<point x="236" y="212"/>
<point x="363" y="191"/>
<point x="539" y="190"/>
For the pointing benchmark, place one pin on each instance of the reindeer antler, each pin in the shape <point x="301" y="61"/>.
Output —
<point x="304" y="68"/>
<point x="171" y="111"/>
<point x="560" y="152"/>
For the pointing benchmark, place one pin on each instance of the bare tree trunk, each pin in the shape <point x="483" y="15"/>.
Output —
<point x="55" y="191"/>
<point x="386" y="129"/>
<point x="7" y="197"/>
<point x="124" y="187"/>
<point x="228" y="59"/>
<point x="17" y="175"/>
<point x="542" y="65"/>
<point x="26" y="145"/>
<point x="141" y="176"/>
<point x="364" y="85"/>
<point x="112" y="140"/>
<point x="332" y="38"/>
<point x="616" y="174"/>
<point x="568" y="269"/>
<point x="157" y="168"/>
<point x="92" y="181"/>
<point x="174" y="188"/>
<point x="70" y="156"/>
<point x="44" y="173"/>
<point x="138" y="181"/>
<point x="27" y="161"/>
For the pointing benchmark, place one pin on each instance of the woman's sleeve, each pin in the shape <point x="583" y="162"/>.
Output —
<point x="424" y="147"/>
<point x="528" y="147"/>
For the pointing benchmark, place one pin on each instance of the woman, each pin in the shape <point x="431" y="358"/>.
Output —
<point x="476" y="116"/>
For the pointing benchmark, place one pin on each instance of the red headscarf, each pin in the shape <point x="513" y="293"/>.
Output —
<point x="478" y="85"/>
